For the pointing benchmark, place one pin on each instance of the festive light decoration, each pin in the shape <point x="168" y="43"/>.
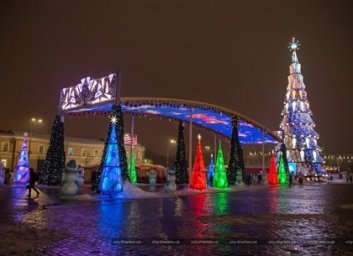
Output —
<point x="282" y="174"/>
<point x="220" y="176"/>
<point x="89" y="92"/>
<point x="272" y="176"/>
<point x="300" y="138"/>
<point x="97" y="96"/>
<point x="113" y="170"/>
<point x="210" y="173"/>
<point x="22" y="167"/>
<point x="132" y="168"/>
<point x="198" y="179"/>
<point x="54" y="164"/>
<point x="181" y="172"/>
<point x="236" y="170"/>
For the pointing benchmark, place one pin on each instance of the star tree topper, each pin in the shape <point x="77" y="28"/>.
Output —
<point x="294" y="45"/>
<point x="113" y="119"/>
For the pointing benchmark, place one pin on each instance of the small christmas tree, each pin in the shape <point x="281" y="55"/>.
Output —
<point x="198" y="179"/>
<point x="54" y="164"/>
<point x="236" y="170"/>
<point x="181" y="172"/>
<point x="220" y="176"/>
<point x="210" y="173"/>
<point x="113" y="170"/>
<point x="132" y="168"/>
<point x="272" y="176"/>
<point x="22" y="167"/>
<point x="282" y="174"/>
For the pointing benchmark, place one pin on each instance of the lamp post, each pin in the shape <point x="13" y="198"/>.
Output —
<point x="33" y="121"/>
<point x="208" y="148"/>
<point x="171" y="142"/>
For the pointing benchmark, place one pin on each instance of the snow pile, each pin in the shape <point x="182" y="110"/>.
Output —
<point x="85" y="197"/>
<point x="132" y="191"/>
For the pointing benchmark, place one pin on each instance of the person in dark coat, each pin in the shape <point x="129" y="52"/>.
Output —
<point x="32" y="182"/>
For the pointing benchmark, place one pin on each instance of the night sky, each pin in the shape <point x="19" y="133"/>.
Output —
<point x="229" y="53"/>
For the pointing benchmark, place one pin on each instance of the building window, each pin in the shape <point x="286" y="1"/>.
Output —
<point x="84" y="152"/>
<point x="70" y="151"/>
<point x="41" y="149"/>
<point x="95" y="152"/>
<point x="5" y="146"/>
<point x="4" y="162"/>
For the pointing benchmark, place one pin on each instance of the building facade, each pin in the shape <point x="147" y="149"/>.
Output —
<point x="86" y="152"/>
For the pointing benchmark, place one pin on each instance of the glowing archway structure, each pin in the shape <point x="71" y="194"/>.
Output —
<point x="94" y="96"/>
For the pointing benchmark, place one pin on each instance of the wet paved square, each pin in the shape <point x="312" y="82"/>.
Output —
<point x="316" y="219"/>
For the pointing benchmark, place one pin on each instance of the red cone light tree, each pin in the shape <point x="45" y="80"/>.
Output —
<point x="198" y="178"/>
<point x="272" y="175"/>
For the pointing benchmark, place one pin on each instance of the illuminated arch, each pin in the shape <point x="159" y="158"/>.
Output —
<point x="97" y="96"/>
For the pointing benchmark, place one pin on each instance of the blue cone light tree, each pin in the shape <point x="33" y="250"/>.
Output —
<point x="22" y="167"/>
<point x="210" y="173"/>
<point x="113" y="170"/>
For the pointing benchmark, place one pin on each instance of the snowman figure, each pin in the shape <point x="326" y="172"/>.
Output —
<point x="70" y="184"/>
<point x="2" y="174"/>
<point x="152" y="177"/>
<point x="170" y="186"/>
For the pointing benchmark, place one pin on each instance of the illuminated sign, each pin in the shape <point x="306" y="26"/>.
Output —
<point x="90" y="92"/>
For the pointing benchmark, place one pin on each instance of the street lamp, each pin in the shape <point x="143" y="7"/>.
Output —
<point x="171" y="142"/>
<point x="33" y="122"/>
<point x="208" y="148"/>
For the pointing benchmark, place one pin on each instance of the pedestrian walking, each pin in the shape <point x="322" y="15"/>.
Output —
<point x="350" y="178"/>
<point x="7" y="176"/>
<point x="301" y="179"/>
<point x="32" y="182"/>
<point x="290" y="180"/>
<point x="93" y="178"/>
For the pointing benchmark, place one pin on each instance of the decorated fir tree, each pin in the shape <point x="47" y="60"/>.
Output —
<point x="181" y="172"/>
<point x="282" y="174"/>
<point x="113" y="170"/>
<point x="198" y="178"/>
<point x="210" y="173"/>
<point x="54" y="164"/>
<point x="272" y="176"/>
<point x="300" y="137"/>
<point x="220" y="176"/>
<point x="22" y="167"/>
<point x="132" y="168"/>
<point x="236" y="170"/>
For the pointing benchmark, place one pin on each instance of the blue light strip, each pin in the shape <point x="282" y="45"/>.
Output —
<point x="219" y="122"/>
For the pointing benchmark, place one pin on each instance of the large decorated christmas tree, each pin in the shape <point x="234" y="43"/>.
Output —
<point x="22" y="171"/>
<point x="54" y="164"/>
<point x="300" y="137"/>
<point x="198" y="179"/>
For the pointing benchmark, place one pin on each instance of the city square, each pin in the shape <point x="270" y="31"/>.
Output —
<point x="150" y="143"/>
